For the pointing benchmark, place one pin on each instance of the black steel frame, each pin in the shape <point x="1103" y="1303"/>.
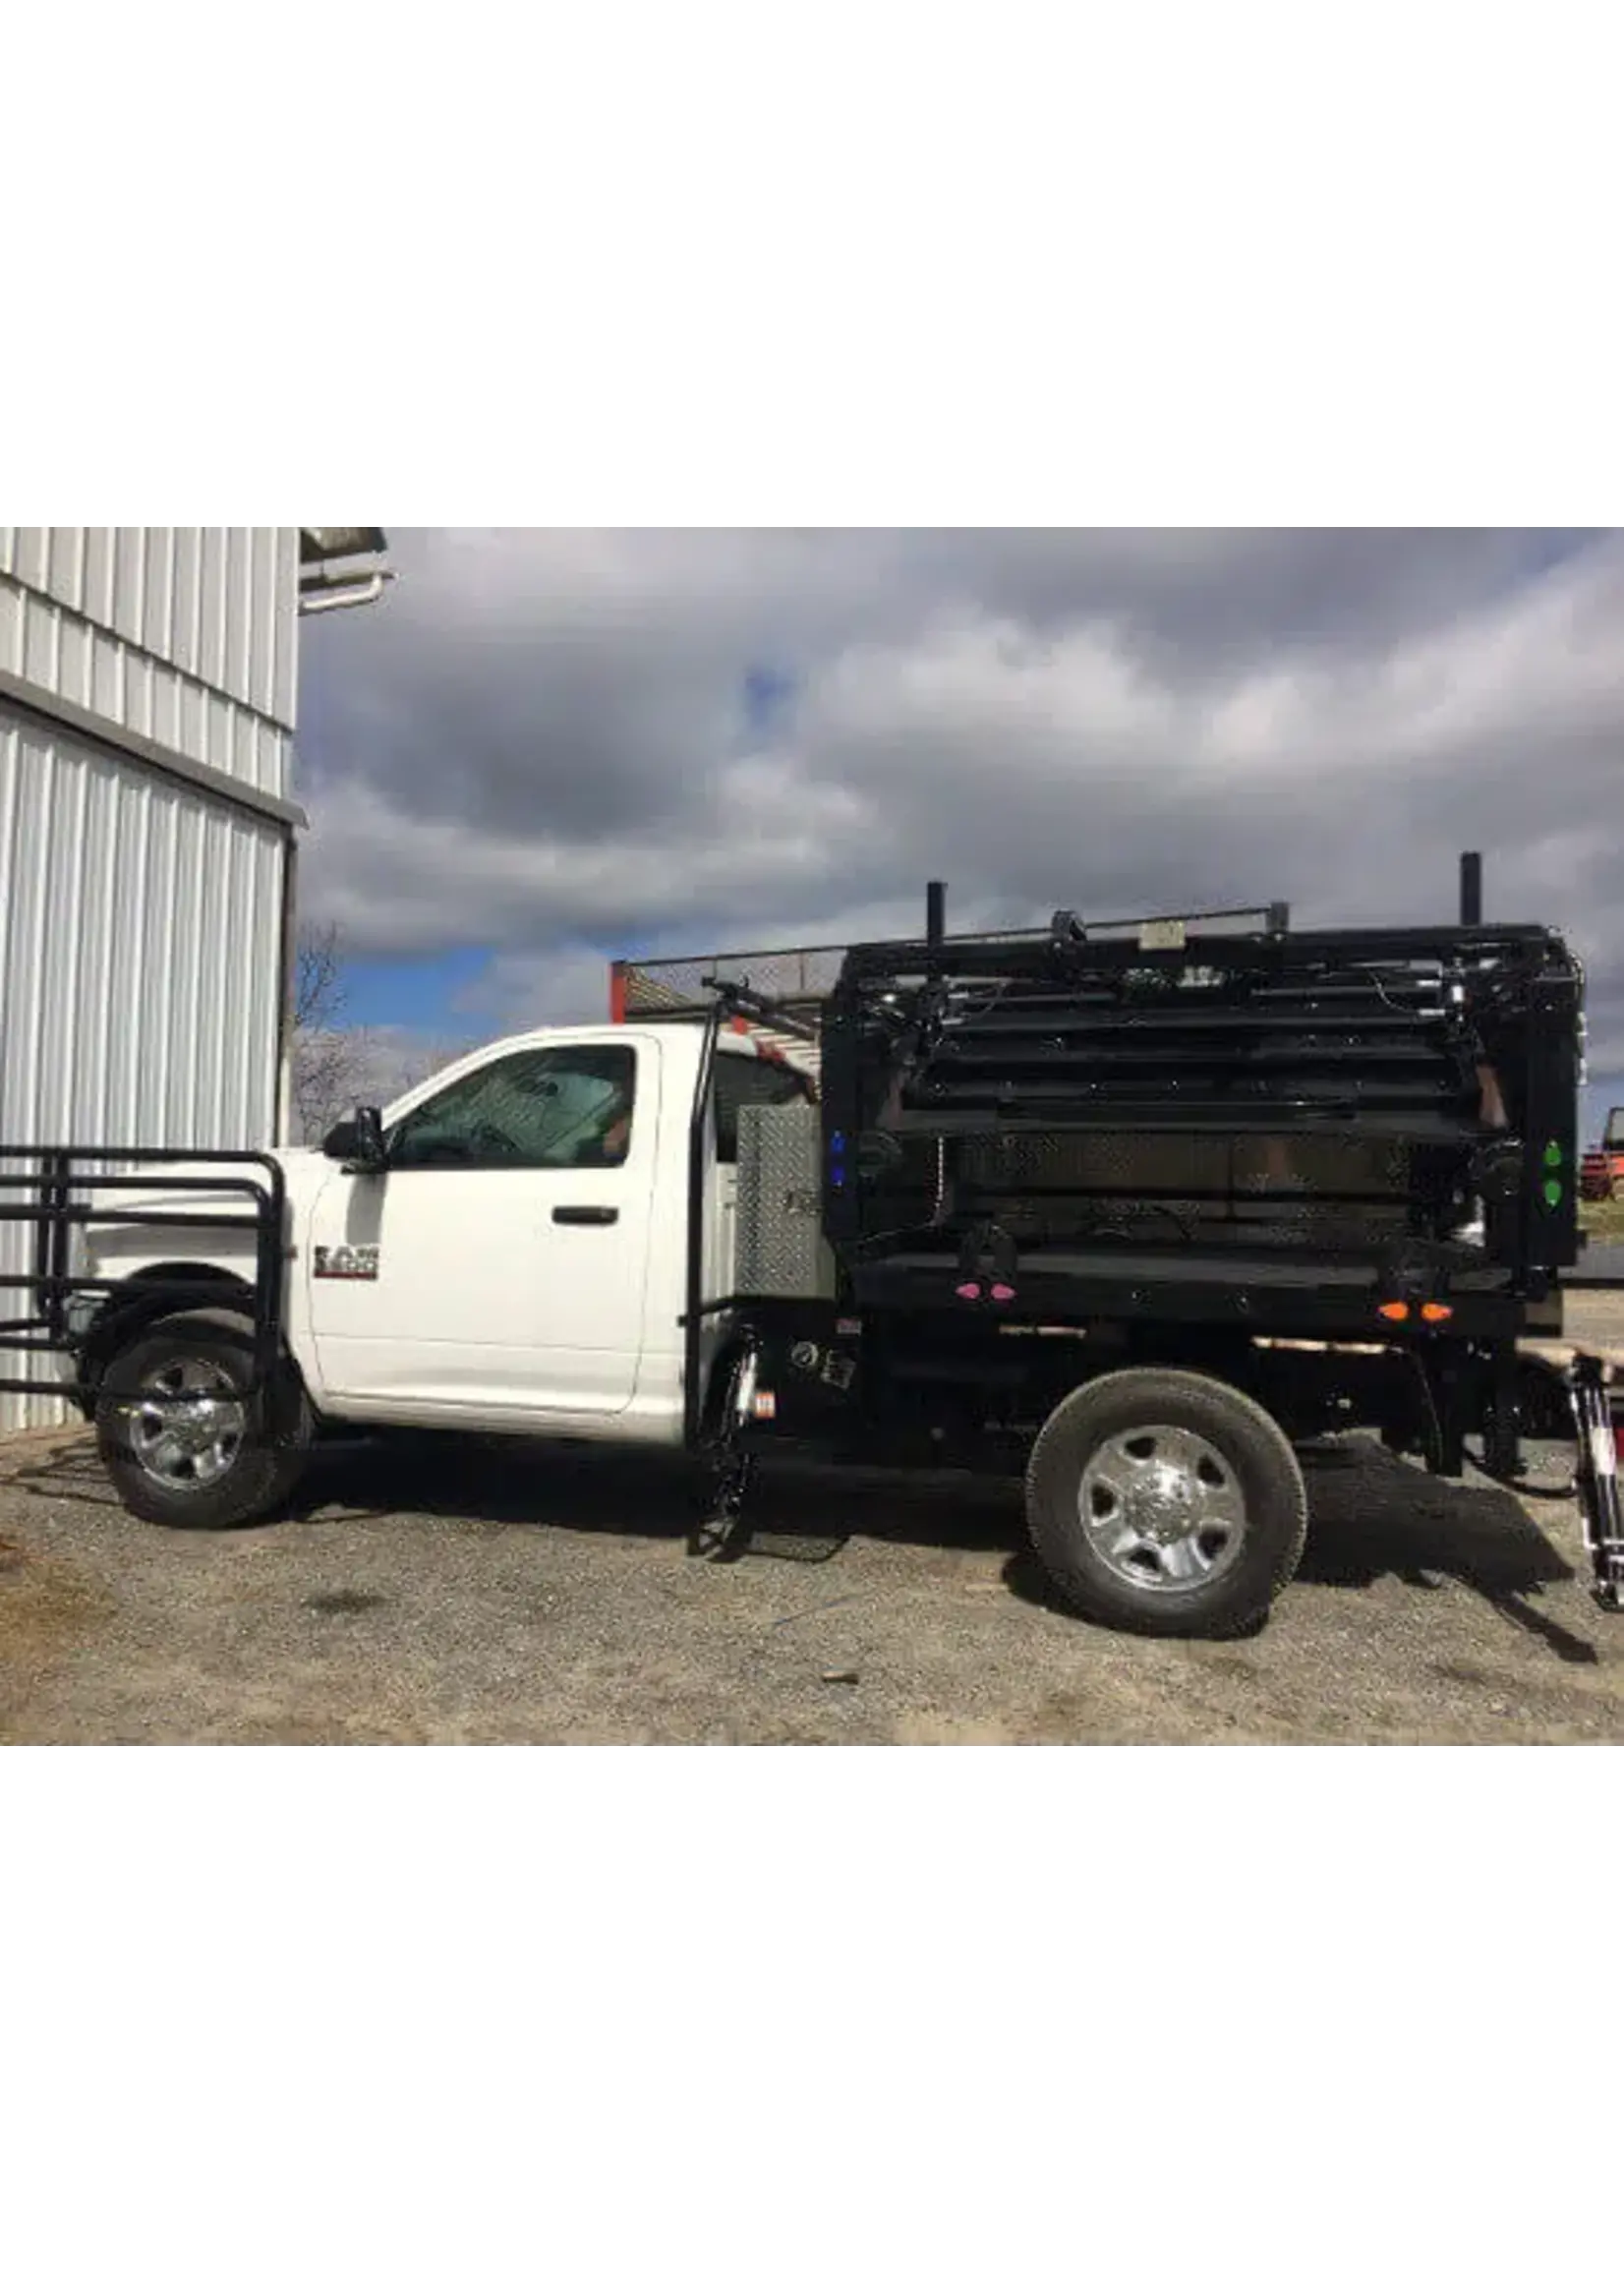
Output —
<point x="729" y="1000"/>
<point x="1529" y="988"/>
<point x="1322" y="1295"/>
<point x="696" y="1309"/>
<point x="48" y="1195"/>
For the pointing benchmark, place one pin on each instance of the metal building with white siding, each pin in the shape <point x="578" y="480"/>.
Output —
<point x="147" y="693"/>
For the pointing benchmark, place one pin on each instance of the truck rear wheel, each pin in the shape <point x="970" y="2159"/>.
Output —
<point x="1165" y="1502"/>
<point x="201" y="1467"/>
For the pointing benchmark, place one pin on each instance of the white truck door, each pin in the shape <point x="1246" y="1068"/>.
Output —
<point x="499" y="1263"/>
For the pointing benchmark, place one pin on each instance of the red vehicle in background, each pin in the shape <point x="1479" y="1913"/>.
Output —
<point x="1602" y="1171"/>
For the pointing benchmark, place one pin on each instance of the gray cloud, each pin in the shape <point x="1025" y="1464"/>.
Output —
<point x="555" y="744"/>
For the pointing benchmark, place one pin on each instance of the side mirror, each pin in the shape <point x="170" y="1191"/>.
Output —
<point x="359" y="1142"/>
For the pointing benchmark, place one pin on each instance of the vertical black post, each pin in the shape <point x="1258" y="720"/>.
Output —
<point x="1501" y="1439"/>
<point x="43" y="1251"/>
<point x="56" y="1193"/>
<point x="1472" y="888"/>
<point x="272" y="1383"/>
<point x="693" y="1323"/>
<point x="936" y="915"/>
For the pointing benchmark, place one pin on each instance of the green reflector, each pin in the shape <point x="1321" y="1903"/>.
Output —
<point x="1553" y="1192"/>
<point x="1554" y="1155"/>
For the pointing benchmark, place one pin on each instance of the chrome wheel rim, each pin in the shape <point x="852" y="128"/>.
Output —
<point x="187" y="1447"/>
<point x="1163" y="1508"/>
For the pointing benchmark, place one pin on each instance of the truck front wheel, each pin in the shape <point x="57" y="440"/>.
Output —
<point x="207" y="1464"/>
<point x="1166" y="1503"/>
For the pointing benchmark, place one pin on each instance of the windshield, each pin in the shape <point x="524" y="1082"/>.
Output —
<point x="564" y="1106"/>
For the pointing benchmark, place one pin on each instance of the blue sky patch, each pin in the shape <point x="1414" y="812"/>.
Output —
<point x="768" y="693"/>
<point x="418" y="991"/>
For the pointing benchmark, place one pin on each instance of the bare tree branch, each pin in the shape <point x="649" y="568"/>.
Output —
<point x="337" y="1067"/>
<point x="319" y="993"/>
<point x="418" y="1065"/>
<point x="331" y="1061"/>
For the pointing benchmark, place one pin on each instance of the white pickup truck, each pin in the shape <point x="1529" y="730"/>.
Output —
<point x="505" y="1249"/>
<point x="1130" y="1217"/>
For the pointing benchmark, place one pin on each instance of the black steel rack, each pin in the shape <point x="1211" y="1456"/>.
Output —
<point x="57" y="1188"/>
<point x="965" y="1079"/>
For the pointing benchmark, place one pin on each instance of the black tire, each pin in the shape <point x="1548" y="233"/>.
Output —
<point x="258" y="1475"/>
<point x="1260" y="1498"/>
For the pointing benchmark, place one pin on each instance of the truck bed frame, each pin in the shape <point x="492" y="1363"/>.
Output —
<point x="971" y="1287"/>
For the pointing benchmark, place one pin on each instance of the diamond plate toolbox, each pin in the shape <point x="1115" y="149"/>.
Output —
<point x="781" y="1250"/>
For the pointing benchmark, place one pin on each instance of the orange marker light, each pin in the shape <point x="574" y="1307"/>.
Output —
<point x="1433" y="1312"/>
<point x="1395" y="1311"/>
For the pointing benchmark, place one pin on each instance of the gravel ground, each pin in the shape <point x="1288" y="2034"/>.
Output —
<point x="1604" y="1259"/>
<point x="457" y="1594"/>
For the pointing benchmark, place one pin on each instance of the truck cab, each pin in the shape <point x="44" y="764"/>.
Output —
<point x="514" y="1256"/>
<point x="519" y="1258"/>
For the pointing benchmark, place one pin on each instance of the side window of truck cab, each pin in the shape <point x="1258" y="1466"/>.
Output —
<point x="565" y="1107"/>
<point x="741" y="1082"/>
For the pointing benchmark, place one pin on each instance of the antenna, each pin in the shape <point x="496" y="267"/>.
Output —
<point x="1472" y="888"/>
<point x="936" y="915"/>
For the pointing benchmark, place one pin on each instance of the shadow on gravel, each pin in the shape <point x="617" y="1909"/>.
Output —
<point x="73" y="1473"/>
<point x="806" y="1512"/>
<point x="1371" y="1515"/>
<point x="66" y="1472"/>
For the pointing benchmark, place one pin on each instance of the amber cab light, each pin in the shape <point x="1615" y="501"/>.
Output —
<point x="1395" y="1311"/>
<point x="1433" y="1312"/>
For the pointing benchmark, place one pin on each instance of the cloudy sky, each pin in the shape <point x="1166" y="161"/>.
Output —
<point x="548" y="747"/>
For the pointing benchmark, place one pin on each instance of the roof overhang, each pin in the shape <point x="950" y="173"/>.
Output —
<point x="341" y="568"/>
<point x="322" y="545"/>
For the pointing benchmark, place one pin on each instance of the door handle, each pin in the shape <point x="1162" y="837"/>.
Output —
<point x="585" y="1216"/>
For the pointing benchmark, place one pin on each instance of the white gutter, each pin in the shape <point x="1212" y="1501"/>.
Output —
<point x="322" y="595"/>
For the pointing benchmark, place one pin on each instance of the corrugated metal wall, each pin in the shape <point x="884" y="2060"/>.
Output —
<point x="141" y="919"/>
<point x="188" y="636"/>
<point x="140" y="965"/>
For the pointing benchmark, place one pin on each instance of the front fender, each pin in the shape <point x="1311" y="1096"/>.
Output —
<point x="134" y="1304"/>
